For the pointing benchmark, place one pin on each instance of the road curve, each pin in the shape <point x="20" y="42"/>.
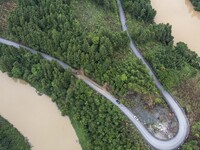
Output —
<point x="158" y="144"/>
<point x="183" y="130"/>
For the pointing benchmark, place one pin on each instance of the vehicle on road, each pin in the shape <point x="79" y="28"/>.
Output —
<point x="118" y="101"/>
<point x="136" y="118"/>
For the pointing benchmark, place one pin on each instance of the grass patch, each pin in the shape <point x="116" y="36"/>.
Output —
<point x="93" y="17"/>
<point x="6" y="6"/>
<point x="189" y="97"/>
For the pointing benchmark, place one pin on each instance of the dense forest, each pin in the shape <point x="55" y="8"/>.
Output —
<point x="196" y="4"/>
<point x="98" y="123"/>
<point x="11" y="138"/>
<point x="87" y="36"/>
<point x="177" y="67"/>
<point x="101" y="51"/>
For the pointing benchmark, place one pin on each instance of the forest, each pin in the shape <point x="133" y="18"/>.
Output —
<point x="177" y="67"/>
<point x="87" y="36"/>
<point x="11" y="138"/>
<point x="56" y="31"/>
<point x="196" y="4"/>
<point x="98" y="123"/>
<point x="100" y="51"/>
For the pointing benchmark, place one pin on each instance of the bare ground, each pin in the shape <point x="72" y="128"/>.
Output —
<point x="5" y="8"/>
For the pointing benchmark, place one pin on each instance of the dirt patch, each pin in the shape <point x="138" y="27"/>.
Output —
<point x="5" y="8"/>
<point x="158" y="119"/>
<point x="92" y="17"/>
<point x="189" y="94"/>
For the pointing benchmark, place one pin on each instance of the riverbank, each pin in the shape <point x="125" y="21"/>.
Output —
<point x="175" y="66"/>
<point x="184" y="19"/>
<point x="36" y="70"/>
<point x="11" y="138"/>
<point x="89" y="112"/>
<point x="36" y="117"/>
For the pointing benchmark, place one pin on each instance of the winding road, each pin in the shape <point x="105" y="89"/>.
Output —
<point x="183" y="130"/>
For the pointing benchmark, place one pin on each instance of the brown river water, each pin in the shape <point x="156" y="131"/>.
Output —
<point x="184" y="19"/>
<point x="36" y="117"/>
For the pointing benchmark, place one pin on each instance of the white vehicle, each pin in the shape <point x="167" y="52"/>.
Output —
<point x="136" y="118"/>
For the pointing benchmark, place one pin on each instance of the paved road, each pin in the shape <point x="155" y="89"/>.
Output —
<point x="158" y="144"/>
<point x="181" y="117"/>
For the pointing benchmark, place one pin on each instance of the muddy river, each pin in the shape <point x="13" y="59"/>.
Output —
<point x="184" y="19"/>
<point x="36" y="117"/>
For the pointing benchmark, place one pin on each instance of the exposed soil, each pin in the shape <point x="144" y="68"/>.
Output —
<point x="159" y="120"/>
<point x="5" y="8"/>
<point x="189" y="97"/>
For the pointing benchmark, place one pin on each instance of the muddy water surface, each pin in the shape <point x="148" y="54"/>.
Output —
<point x="184" y="20"/>
<point x="36" y="117"/>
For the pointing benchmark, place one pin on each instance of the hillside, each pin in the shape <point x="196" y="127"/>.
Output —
<point x="177" y="67"/>
<point x="87" y="36"/>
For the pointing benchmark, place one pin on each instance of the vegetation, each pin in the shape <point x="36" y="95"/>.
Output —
<point x="106" y="127"/>
<point x="92" y="41"/>
<point x="98" y="123"/>
<point x="92" y="17"/>
<point x="177" y="67"/>
<point x="171" y="64"/>
<point x="101" y="49"/>
<point x="11" y="138"/>
<point x="189" y="96"/>
<point x="6" y="6"/>
<point x="196" y="4"/>
<point x="193" y="144"/>
<point x="140" y="9"/>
